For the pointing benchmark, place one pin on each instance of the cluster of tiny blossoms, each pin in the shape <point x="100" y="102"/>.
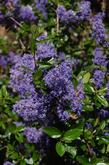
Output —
<point x="100" y="60"/>
<point x="5" y="60"/>
<point x="8" y="163"/>
<point x="69" y="16"/>
<point x="59" y="98"/>
<point x="98" y="29"/>
<point x="17" y="13"/>
<point x="84" y="13"/>
<point x="36" y="106"/>
<point x="41" y="6"/>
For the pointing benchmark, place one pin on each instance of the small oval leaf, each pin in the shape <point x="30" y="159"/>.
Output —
<point x="52" y="132"/>
<point x="86" y="78"/>
<point x="60" y="149"/>
<point x="72" y="134"/>
<point x="71" y="150"/>
<point x="102" y="100"/>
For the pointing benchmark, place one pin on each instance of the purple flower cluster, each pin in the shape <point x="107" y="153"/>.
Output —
<point x="69" y="16"/>
<point x="1" y="17"/>
<point x="88" y="126"/>
<point x="3" y="61"/>
<point x="19" y="123"/>
<point x="104" y="113"/>
<point x="6" y="59"/>
<point x="58" y="80"/>
<point x="13" y="8"/>
<point x="56" y="102"/>
<point x="27" y="14"/>
<point x="35" y="106"/>
<point x="98" y="29"/>
<point x="101" y="60"/>
<point x="10" y="57"/>
<point x="62" y="114"/>
<point x="33" y="135"/>
<point x="41" y="6"/>
<point x="12" y="3"/>
<point x="31" y="109"/>
<point x="66" y="16"/>
<point x="21" y="79"/>
<point x="98" y="78"/>
<point x="84" y="10"/>
<point x="99" y="57"/>
<point x="16" y="13"/>
<point x="77" y="97"/>
<point x="45" y="50"/>
<point x="8" y="163"/>
<point x="42" y="37"/>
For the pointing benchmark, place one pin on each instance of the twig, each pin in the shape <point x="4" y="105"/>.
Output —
<point x="57" y="23"/>
<point x="22" y="45"/>
<point x="19" y="24"/>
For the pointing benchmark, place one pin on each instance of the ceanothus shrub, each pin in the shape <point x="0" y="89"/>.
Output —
<point x="55" y="84"/>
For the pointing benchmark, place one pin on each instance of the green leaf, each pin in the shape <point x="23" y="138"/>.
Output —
<point x="72" y="134"/>
<point x="60" y="149"/>
<point x="29" y="161"/>
<point x="52" y="132"/>
<point x="4" y="92"/>
<point x="101" y="164"/>
<point x="22" y="162"/>
<point x="19" y="137"/>
<point x="102" y="91"/>
<point x="83" y="160"/>
<point x="86" y="78"/>
<point x="88" y="108"/>
<point x="51" y="61"/>
<point x="45" y="66"/>
<point x="102" y="101"/>
<point x="89" y="89"/>
<point x="102" y="125"/>
<point x="37" y="75"/>
<point x="71" y="150"/>
<point x="12" y="128"/>
<point x="105" y="141"/>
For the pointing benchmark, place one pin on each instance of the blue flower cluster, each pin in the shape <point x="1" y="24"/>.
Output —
<point x="8" y="163"/>
<point x="58" y="80"/>
<point x="17" y="13"/>
<point x="21" y="75"/>
<point x="12" y="2"/>
<point x="84" y="8"/>
<point x="27" y="14"/>
<point x="98" y="29"/>
<point x="45" y="50"/>
<point x="33" y="135"/>
<point x="104" y="113"/>
<point x="98" y="78"/>
<point x="66" y="16"/>
<point x="6" y="59"/>
<point x="3" y="61"/>
<point x="99" y="58"/>
<point x="61" y="100"/>
<point x="30" y="109"/>
<point x="69" y="16"/>
<point x="1" y="17"/>
<point x="41" y="6"/>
